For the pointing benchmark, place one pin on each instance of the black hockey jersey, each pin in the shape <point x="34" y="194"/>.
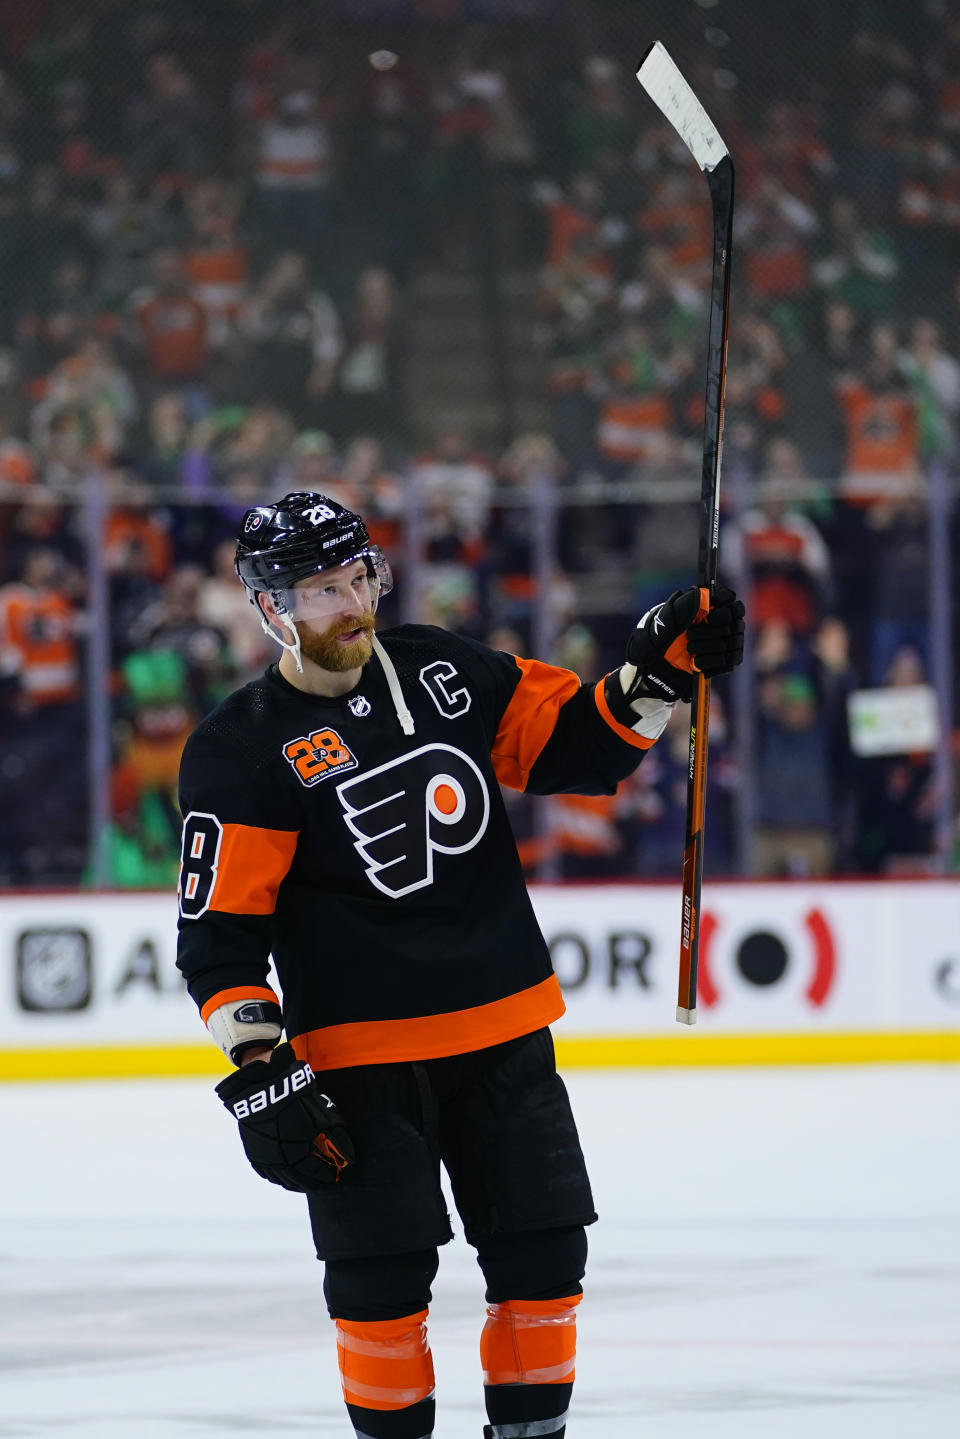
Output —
<point x="379" y="868"/>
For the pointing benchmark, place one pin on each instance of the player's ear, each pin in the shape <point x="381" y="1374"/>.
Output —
<point x="266" y="606"/>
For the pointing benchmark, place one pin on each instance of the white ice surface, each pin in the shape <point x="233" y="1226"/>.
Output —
<point x="778" y="1256"/>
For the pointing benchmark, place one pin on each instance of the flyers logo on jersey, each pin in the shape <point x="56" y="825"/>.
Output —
<point x="318" y="755"/>
<point x="403" y="813"/>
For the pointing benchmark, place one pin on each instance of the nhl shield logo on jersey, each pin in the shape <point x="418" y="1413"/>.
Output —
<point x="359" y="706"/>
<point x="317" y="756"/>
<point x="403" y="813"/>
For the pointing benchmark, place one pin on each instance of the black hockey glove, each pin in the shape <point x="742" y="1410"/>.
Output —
<point x="292" y="1133"/>
<point x="682" y="635"/>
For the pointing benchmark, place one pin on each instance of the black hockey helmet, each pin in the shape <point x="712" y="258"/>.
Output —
<point x="299" y="536"/>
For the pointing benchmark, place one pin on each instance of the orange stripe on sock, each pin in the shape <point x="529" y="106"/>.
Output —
<point x="385" y="1364"/>
<point x="530" y="1341"/>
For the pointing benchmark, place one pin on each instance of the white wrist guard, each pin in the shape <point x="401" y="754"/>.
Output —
<point x="240" y="1023"/>
<point x="652" y="714"/>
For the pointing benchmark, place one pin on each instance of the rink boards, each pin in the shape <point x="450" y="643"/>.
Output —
<point x="789" y="973"/>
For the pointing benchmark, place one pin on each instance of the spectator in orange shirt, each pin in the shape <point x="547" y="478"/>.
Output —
<point x="43" y="777"/>
<point x="575" y="224"/>
<point x="635" y="413"/>
<point x="880" y="413"/>
<point x="38" y="627"/>
<point x="776" y="231"/>
<point x="171" y="325"/>
<point x="135" y="537"/>
<point x="677" y="218"/>
<point x="215" y="256"/>
<point x="781" y="550"/>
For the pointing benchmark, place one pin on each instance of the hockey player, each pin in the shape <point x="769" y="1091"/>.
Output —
<point x="342" y="813"/>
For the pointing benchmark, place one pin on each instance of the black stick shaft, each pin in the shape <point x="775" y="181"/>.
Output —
<point x="720" y="181"/>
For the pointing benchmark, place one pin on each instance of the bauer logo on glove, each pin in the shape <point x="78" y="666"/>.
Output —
<point x="275" y="1094"/>
<point x="292" y="1133"/>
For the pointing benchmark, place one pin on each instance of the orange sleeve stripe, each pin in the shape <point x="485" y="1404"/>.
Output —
<point x="432" y="1036"/>
<point x="251" y="866"/>
<point x="529" y="719"/>
<point x="619" y="729"/>
<point x="225" y="996"/>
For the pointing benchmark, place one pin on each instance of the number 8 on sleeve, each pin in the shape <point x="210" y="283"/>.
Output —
<point x="202" y="835"/>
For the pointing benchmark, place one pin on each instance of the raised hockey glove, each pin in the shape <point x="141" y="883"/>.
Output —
<point x="682" y="635"/>
<point x="292" y="1133"/>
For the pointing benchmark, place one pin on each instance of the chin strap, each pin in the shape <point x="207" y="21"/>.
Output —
<point x="294" y="648"/>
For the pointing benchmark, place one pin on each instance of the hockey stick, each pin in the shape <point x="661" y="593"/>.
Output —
<point x="668" y="90"/>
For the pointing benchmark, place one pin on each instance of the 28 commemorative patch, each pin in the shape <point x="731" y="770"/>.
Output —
<point x="318" y="755"/>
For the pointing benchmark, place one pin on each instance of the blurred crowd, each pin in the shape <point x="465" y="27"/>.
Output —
<point x="212" y="217"/>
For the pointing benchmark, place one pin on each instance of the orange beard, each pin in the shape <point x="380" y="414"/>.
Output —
<point x="323" y="648"/>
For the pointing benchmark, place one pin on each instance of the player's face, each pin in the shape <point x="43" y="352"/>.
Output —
<point x="345" y="595"/>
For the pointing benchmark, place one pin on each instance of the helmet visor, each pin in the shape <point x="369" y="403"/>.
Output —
<point x="354" y="587"/>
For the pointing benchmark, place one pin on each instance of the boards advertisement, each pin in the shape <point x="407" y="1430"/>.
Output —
<point x="788" y="971"/>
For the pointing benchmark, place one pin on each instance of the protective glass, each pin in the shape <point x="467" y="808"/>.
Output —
<point x="354" y="587"/>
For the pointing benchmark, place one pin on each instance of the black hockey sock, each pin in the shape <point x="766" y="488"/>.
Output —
<point x="519" y="1410"/>
<point x="414" y="1422"/>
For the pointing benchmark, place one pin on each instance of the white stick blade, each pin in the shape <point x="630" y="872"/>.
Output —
<point x="669" y="91"/>
<point x="686" y="1016"/>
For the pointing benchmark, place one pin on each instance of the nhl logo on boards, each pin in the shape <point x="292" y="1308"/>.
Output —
<point x="359" y="706"/>
<point x="54" y="970"/>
